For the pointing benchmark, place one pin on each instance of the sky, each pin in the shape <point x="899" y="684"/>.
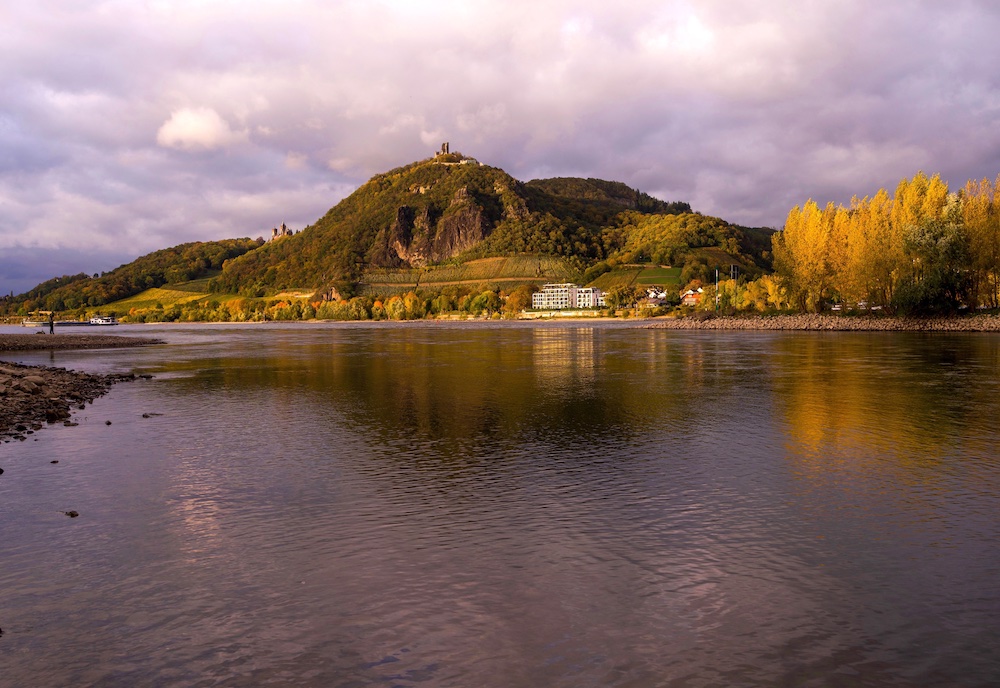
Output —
<point x="129" y="126"/>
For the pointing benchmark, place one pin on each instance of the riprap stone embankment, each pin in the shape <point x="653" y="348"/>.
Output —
<point x="839" y="323"/>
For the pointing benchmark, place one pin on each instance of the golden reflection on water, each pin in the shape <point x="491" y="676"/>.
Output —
<point x="844" y="400"/>
<point x="561" y="362"/>
<point x="878" y="430"/>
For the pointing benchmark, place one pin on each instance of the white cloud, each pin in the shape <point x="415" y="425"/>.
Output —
<point x="198" y="129"/>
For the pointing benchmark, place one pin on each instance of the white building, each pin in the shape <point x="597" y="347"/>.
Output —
<point x="563" y="296"/>
<point x="589" y="297"/>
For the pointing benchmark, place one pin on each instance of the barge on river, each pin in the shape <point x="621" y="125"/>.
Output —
<point x="98" y="320"/>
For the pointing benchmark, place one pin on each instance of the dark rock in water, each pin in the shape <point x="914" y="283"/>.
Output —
<point x="54" y="461"/>
<point x="82" y="407"/>
<point x="1" y="471"/>
<point x="107" y="422"/>
<point x="71" y="514"/>
<point x="20" y="428"/>
<point x="146" y="377"/>
<point x="145" y="415"/>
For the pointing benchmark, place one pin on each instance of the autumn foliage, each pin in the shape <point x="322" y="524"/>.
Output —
<point x="924" y="249"/>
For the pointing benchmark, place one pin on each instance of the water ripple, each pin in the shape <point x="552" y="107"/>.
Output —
<point x="509" y="506"/>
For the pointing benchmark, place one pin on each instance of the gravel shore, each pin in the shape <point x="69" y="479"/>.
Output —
<point x="49" y="342"/>
<point x="839" y="323"/>
<point x="31" y="396"/>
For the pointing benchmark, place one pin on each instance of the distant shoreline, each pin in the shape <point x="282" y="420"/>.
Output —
<point x="832" y="323"/>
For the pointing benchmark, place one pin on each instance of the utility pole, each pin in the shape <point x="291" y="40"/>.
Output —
<point x="716" y="290"/>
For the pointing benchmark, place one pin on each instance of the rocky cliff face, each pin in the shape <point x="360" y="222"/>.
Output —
<point x="419" y="237"/>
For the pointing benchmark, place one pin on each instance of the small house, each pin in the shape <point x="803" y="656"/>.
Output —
<point x="691" y="297"/>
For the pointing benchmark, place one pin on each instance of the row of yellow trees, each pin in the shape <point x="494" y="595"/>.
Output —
<point x="924" y="249"/>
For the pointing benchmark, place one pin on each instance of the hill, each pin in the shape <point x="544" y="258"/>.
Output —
<point x="439" y="211"/>
<point x="167" y="266"/>
<point x="562" y="194"/>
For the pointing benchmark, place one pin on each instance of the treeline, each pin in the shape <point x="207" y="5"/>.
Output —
<point x="167" y="266"/>
<point x="592" y="199"/>
<point x="922" y="250"/>
<point x="46" y="288"/>
<point x="670" y="240"/>
<point x="483" y="301"/>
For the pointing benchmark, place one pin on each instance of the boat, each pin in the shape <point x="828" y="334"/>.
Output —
<point x="103" y="320"/>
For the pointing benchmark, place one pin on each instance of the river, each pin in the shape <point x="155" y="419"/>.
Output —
<point x="508" y="504"/>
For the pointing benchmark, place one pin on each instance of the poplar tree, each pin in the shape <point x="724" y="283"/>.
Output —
<point x="802" y="254"/>
<point x="981" y="218"/>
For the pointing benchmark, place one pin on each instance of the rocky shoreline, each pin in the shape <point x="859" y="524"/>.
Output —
<point x="834" y="323"/>
<point x="32" y="396"/>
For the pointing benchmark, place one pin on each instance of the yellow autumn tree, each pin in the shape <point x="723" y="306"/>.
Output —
<point x="981" y="219"/>
<point x="803" y="254"/>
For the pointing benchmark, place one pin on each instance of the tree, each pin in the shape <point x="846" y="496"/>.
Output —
<point x="803" y="254"/>
<point x="395" y="309"/>
<point x="413" y="306"/>
<point x="622" y="296"/>
<point x="518" y="300"/>
<point x="981" y="218"/>
<point x="938" y="281"/>
<point x="487" y="302"/>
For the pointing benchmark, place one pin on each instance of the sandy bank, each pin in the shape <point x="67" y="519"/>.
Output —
<point x="48" y="342"/>
<point x="973" y="323"/>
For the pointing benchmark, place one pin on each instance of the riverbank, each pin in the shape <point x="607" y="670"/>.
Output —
<point x="57" y="342"/>
<point x="836" y="323"/>
<point x="31" y="396"/>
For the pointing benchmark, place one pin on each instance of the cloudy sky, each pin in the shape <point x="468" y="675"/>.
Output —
<point x="128" y="126"/>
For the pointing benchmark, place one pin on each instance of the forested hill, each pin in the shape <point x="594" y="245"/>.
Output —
<point x="453" y="208"/>
<point x="554" y="194"/>
<point x="166" y="266"/>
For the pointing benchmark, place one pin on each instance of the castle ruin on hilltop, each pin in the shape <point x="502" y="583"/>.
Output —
<point x="446" y="157"/>
<point x="284" y="231"/>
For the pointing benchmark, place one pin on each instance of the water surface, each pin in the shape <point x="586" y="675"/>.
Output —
<point x="510" y="505"/>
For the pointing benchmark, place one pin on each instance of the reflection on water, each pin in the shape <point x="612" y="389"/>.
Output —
<point x="500" y="505"/>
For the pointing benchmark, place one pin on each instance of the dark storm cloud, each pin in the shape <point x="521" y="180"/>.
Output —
<point x="127" y="127"/>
